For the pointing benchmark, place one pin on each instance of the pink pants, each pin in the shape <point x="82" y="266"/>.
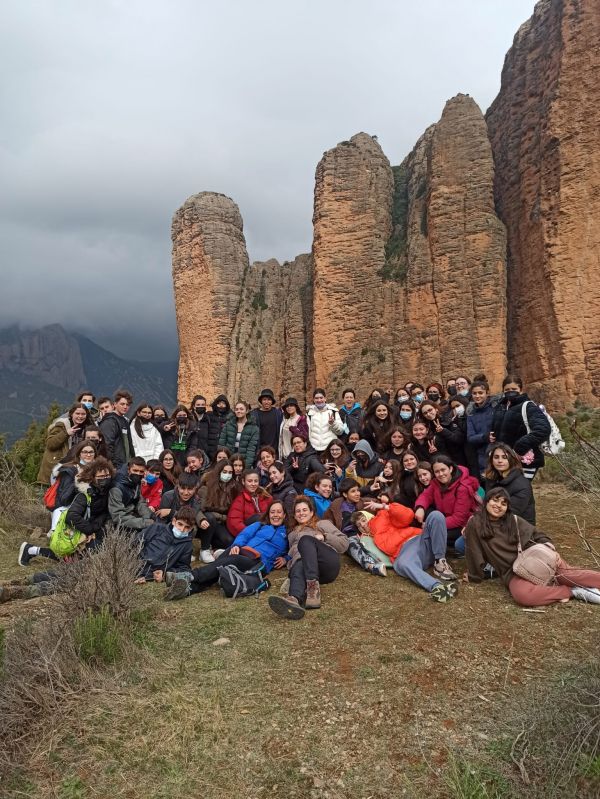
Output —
<point x="530" y="595"/>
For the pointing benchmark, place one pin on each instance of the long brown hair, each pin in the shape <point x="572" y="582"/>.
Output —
<point x="137" y="421"/>
<point x="514" y="462"/>
<point x="307" y="501"/>
<point x="174" y="473"/>
<point x="218" y="493"/>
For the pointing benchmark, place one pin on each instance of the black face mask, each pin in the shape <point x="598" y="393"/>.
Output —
<point x="182" y="420"/>
<point x="434" y="397"/>
<point x="452" y="391"/>
<point x="103" y="483"/>
<point x="511" y="395"/>
<point x="200" y="411"/>
<point x="136" y="479"/>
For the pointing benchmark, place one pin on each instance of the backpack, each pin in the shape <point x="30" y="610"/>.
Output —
<point x="50" y="495"/>
<point x="65" y="539"/>
<point x="235" y="583"/>
<point x="554" y="444"/>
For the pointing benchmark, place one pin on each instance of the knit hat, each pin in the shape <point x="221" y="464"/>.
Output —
<point x="266" y="392"/>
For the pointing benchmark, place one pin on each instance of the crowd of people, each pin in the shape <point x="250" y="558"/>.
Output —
<point x="406" y="480"/>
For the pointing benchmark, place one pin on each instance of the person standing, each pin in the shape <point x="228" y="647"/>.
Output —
<point x="269" y="420"/>
<point x="324" y="423"/>
<point x="116" y="431"/>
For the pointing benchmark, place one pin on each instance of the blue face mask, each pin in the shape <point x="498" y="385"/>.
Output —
<point x="463" y="392"/>
<point x="177" y="533"/>
<point x="405" y="415"/>
<point x="151" y="478"/>
<point x="88" y="405"/>
<point x="419" y="397"/>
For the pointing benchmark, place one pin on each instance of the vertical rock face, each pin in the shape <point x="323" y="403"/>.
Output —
<point x="353" y="318"/>
<point x="449" y="252"/>
<point x="544" y="128"/>
<point x="209" y="263"/>
<point x="272" y="334"/>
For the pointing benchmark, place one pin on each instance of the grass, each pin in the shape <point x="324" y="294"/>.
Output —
<point x="368" y="697"/>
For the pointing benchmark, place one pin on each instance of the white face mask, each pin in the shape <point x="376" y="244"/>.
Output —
<point x="225" y="477"/>
<point x="459" y="410"/>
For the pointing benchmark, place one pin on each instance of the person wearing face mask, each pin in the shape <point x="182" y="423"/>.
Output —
<point x="519" y="423"/>
<point x="178" y="434"/>
<point x="146" y="439"/>
<point x="407" y="413"/>
<point x="126" y="505"/>
<point x="217" y="418"/>
<point x="152" y="486"/>
<point x="167" y="546"/>
<point x="364" y="466"/>
<point x="402" y="395"/>
<point x="451" y="387"/>
<point x="463" y="387"/>
<point x="263" y="541"/>
<point x="88" y="399"/>
<point x="417" y="393"/>
<point x="324" y="423"/>
<point x="201" y="423"/>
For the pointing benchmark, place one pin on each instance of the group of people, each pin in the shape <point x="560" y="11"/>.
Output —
<point x="404" y="481"/>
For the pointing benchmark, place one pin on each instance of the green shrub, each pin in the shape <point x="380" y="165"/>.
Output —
<point x="465" y="781"/>
<point x="98" y="637"/>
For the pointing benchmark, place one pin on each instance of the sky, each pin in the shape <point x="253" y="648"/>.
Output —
<point x="113" y="113"/>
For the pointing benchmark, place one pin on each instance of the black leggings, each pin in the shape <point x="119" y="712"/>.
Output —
<point x="217" y="535"/>
<point x="318" y="561"/>
<point x="208" y="575"/>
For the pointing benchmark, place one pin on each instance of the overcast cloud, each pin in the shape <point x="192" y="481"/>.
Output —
<point x="115" y="112"/>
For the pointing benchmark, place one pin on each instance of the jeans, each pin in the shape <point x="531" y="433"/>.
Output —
<point x="460" y="546"/>
<point x="317" y="561"/>
<point x="420" y="553"/>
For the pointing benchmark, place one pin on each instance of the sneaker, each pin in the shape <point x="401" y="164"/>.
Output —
<point x="206" y="556"/>
<point x="218" y="552"/>
<point x="379" y="568"/>
<point x="180" y="587"/>
<point x="23" y="558"/>
<point x="285" y="587"/>
<point x="591" y="595"/>
<point x="287" y="607"/>
<point x="442" y="570"/>
<point x="444" y="593"/>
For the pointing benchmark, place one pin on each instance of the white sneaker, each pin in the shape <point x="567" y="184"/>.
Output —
<point x="206" y="556"/>
<point x="218" y="552"/>
<point x="591" y="595"/>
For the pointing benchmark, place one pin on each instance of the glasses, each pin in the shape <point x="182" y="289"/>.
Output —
<point x="88" y="451"/>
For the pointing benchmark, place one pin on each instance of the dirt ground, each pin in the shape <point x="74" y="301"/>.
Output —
<point x="367" y="697"/>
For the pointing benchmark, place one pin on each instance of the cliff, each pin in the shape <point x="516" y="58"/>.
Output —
<point x="544" y="131"/>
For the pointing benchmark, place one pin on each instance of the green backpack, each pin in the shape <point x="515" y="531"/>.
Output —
<point x="65" y="539"/>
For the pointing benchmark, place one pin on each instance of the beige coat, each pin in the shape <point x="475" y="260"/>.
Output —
<point x="58" y="443"/>
<point x="333" y="538"/>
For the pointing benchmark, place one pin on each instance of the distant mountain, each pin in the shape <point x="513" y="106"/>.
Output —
<point x="49" y="365"/>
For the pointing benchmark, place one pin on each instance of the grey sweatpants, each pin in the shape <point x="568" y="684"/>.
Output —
<point x="420" y="552"/>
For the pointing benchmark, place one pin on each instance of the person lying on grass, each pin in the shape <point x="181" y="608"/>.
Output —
<point x="167" y="546"/>
<point x="494" y="534"/>
<point x="263" y="541"/>
<point x="351" y="502"/>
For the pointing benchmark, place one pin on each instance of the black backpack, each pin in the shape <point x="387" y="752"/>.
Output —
<point x="235" y="583"/>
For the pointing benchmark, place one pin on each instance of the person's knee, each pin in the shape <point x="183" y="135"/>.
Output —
<point x="306" y="542"/>
<point x="434" y="518"/>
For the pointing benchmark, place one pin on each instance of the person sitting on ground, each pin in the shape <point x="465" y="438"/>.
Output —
<point x="412" y="550"/>
<point x="494" y="536"/>
<point x="395" y="444"/>
<point x="364" y="466"/>
<point x="170" y="470"/>
<point x="147" y="440"/>
<point x="240" y="433"/>
<point x="167" y="547"/>
<point x="66" y="475"/>
<point x="63" y="433"/>
<point x="324" y="423"/>
<point x="264" y="541"/>
<point x="152" y="486"/>
<point x="319" y="487"/>
<point x="302" y="461"/>
<point x="387" y="481"/>
<point x="248" y="505"/>
<point x="116" y="430"/>
<point x="182" y="496"/>
<point x="314" y="559"/>
<point x="505" y="470"/>
<point x="408" y="485"/>
<point x="335" y="459"/>
<point x="281" y="487"/>
<point x="216" y="496"/>
<point x="197" y="462"/>
<point x="88" y="511"/>
<point x="126" y="505"/>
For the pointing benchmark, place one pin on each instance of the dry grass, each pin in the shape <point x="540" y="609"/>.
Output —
<point x="20" y="503"/>
<point x="365" y="698"/>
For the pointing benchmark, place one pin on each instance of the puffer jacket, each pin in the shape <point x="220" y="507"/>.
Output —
<point x="457" y="501"/>
<point x="308" y="462"/>
<point x="243" y="507"/>
<point x="320" y="431"/>
<point x="509" y="428"/>
<point x="321" y="504"/>
<point x="161" y="550"/>
<point x="151" y="445"/>
<point x="522" y="501"/>
<point x="271" y="542"/>
<point x="479" y="427"/>
<point x="248" y="439"/>
<point x="216" y="422"/>
<point x="333" y="537"/>
<point x="88" y="512"/>
<point x="285" y="493"/>
<point x="391" y="528"/>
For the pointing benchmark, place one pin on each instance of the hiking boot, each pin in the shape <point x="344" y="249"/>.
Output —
<point x="180" y="587"/>
<point x="206" y="556"/>
<point x="313" y="595"/>
<point x="591" y="595"/>
<point x="170" y="578"/>
<point x="442" y="570"/>
<point x="287" y="607"/>
<point x="23" y="558"/>
<point x="285" y="587"/>
<point x="444" y="593"/>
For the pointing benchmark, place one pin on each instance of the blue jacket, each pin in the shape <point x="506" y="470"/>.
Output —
<point x="321" y="504"/>
<point x="271" y="542"/>
<point x="479" y="427"/>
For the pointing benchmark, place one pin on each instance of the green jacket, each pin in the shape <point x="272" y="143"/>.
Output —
<point x="248" y="439"/>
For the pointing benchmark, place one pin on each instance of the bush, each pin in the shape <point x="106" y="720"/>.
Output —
<point x="20" y="503"/>
<point x="98" y="637"/>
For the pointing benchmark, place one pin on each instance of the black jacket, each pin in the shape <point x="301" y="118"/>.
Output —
<point x="180" y="440"/>
<point x="522" y="501"/>
<point x="286" y="493"/>
<point x="172" y="501"/>
<point x="94" y="522"/>
<point x="161" y="550"/>
<point x="199" y="438"/>
<point x="509" y="428"/>
<point x="66" y="491"/>
<point x="308" y="462"/>
<point x="352" y="419"/>
<point x="216" y="421"/>
<point x="117" y="437"/>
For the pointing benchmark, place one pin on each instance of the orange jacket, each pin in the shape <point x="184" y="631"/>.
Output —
<point x="391" y="530"/>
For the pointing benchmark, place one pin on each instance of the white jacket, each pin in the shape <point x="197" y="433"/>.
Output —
<point x="320" y="431"/>
<point x="151" y="445"/>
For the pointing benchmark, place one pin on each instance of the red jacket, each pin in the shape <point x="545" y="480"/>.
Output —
<point x="152" y="493"/>
<point x="243" y="507"/>
<point x="391" y="530"/>
<point x="457" y="502"/>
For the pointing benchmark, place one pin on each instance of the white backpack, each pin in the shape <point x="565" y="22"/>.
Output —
<point x="554" y="444"/>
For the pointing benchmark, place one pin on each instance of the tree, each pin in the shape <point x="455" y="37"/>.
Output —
<point x="27" y="452"/>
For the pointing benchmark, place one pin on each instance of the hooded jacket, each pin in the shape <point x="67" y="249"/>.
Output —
<point x="509" y="428"/>
<point x="161" y="550"/>
<point x="270" y="541"/>
<point x="248" y="439"/>
<point x="308" y="462"/>
<point x="320" y="431"/>
<point x="321" y="504"/>
<point x="243" y="507"/>
<point x="352" y="419"/>
<point x="216" y="422"/>
<point x="117" y="437"/>
<point x="457" y="501"/>
<point x="286" y="493"/>
<point x="94" y="520"/>
<point x="126" y="505"/>
<point x="391" y="528"/>
<point x="364" y="474"/>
